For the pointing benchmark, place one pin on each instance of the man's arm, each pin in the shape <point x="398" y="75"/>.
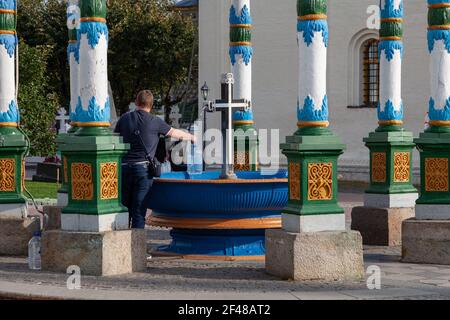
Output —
<point x="117" y="128"/>
<point x="181" y="135"/>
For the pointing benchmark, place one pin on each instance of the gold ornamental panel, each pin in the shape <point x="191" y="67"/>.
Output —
<point x="294" y="179"/>
<point x="241" y="161"/>
<point x="109" y="181"/>
<point x="436" y="174"/>
<point x="82" y="181"/>
<point x="402" y="165"/>
<point x="7" y="175"/>
<point x="378" y="167"/>
<point x="320" y="181"/>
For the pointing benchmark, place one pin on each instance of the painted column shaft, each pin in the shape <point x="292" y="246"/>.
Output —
<point x="390" y="108"/>
<point x="242" y="66"/>
<point x="241" y="53"/>
<point x="439" y="48"/>
<point x="8" y="42"/>
<point x="93" y="105"/>
<point x="74" y="83"/>
<point x="312" y="31"/>
<point x="73" y="56"/>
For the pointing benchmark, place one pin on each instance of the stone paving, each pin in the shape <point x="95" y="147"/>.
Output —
<point x="174" y="279"/>
<point x="171" y="278"/>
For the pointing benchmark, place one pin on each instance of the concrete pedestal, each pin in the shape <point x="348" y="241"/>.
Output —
<point x="98" y="254"/>
<point x="53" y="214"/>
<point x="62" y="199"/>
<point x="380" y="226"/>
<point x="390" y="200"/>
<point x="329" y="256"/>
<point x="15" y="233"/>
<point x="426" y="241"/>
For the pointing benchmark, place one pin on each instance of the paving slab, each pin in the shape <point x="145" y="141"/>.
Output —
<point x="403" y="277"/>
<point x="387" y="293"/>
<point x="322" y="295"/>
<point x="434" y="281"/>
<point x="177" y="279"/>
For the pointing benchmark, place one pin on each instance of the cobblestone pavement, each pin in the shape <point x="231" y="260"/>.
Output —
<point x="174" y="278"/>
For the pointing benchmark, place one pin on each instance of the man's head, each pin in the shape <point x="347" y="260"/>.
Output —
<point x="144" y="100"/>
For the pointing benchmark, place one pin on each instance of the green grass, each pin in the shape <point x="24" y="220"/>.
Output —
<point x="42" y="190"/>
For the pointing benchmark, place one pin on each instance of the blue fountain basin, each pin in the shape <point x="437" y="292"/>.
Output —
<point x="218" y="219"/>
<point x="204" y="196"/>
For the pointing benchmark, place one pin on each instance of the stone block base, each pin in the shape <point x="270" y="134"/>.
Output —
<point x="98" y="254"/>
<point x="433" y="212"/>
<point x="329" y="256"/>
<point x="15" y="233"/>
<point x="313" y="223"/>
<point x="390" y="200"/>
<point x="62" y="199"/>
<point x="14" y="210"/>
<point x="95" y="223"/>
<point x="53" y="217"/>
<point x="426" y="241"/>
<point x="380" y="227"/>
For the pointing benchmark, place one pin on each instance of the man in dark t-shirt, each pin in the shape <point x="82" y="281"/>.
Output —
<point x="136" y="182"/>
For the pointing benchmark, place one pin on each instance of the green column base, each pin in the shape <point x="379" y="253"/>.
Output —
<point x="94" y="173"/>
<point x="13" y="146"/>
<point x="312" y="159"/>
<point x="434" y="148"/>
<point x="61" y="140"/>
<point x="390" y="161"/>
<point x="248" y="136"/>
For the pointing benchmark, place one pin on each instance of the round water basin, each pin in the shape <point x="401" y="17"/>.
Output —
<point x="218" y="219"/>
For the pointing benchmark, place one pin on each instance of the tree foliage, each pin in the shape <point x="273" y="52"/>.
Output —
<point x="150" y="47"/>
<point x="37" y="102"/>
<point x="43" y="23"/>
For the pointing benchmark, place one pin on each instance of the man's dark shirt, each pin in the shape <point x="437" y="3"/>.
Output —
<point x="150" y="127"/>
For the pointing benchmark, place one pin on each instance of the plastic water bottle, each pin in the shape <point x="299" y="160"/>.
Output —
<point x="195" y="154"/>
<point x="166" y="168"/>
<point x="34" y="252"/>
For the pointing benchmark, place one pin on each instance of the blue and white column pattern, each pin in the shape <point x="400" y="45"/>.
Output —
<point x="312" y="31"/>
<point x="241" y="53"/>
<point x="93" y="108"/>
<point x="9" y="113"/>
<point x="439" y="49"/>
<point x="390" y="105"/>
<point x="73" y="58"/>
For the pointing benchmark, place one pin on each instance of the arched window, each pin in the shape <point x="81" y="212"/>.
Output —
<point x="371" y="73"/>
<point x="362" y="48"/>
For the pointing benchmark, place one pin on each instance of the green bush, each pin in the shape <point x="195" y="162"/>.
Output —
<point x="37" y="103"/>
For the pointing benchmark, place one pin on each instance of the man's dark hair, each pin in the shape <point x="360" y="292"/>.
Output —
<point x="144" y="99"/>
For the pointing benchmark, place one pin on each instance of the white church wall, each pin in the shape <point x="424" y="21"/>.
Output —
<point x="275" y="66"/>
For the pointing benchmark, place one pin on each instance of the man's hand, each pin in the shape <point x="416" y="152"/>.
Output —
<point x="181" y="135"/>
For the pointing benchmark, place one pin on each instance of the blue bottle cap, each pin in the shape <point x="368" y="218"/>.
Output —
<point x="36" y="234"/>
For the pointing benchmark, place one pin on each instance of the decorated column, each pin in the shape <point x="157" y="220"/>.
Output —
<point x="426" y="239"/>
<point x="15" y="228"/>
<point x="73" y="59"/>
<point x="313" y="220"/>
<point x="391" y="197"/>
<point x="241" y="52"/>
<point x="95" y="231"/>
<point x="313" y="151"/>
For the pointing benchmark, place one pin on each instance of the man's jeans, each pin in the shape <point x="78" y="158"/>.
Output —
<point x="136" y="187"/>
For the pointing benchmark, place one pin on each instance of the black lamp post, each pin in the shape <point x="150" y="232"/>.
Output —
<point x="205" y="94"/>
<point x="205" y="91"/>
